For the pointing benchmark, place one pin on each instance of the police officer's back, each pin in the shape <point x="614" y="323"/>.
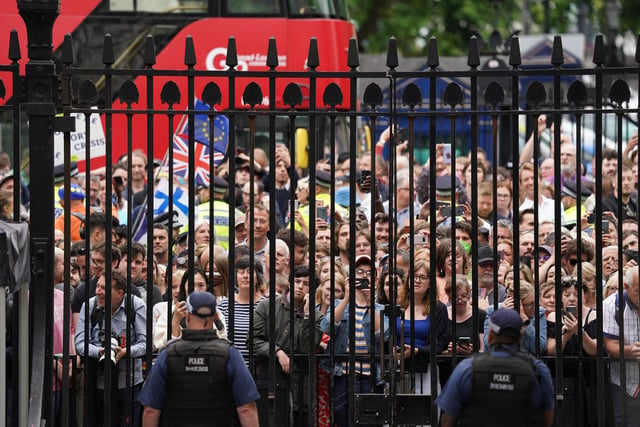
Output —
<point x="502" y="387"/>
<point x="200" y="378"/>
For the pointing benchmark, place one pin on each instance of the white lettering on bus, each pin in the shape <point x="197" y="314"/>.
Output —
<point x="216" y="60"/>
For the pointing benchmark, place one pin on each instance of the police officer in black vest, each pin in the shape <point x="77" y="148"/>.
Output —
<point x="499" y="388"/>
<point x="200" y="379"/>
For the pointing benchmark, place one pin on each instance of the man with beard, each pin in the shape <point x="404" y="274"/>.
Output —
<point x="161" y="243"/>
<point x="486" y="264"/>
<point x="609" y="163"/>
<point x="626" y="196"/>
<point x="527" y="243"/>
<point x="568" y="161"/>
<point x="292" y="376"/>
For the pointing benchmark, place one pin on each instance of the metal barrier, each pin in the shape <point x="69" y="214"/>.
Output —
<point x="385" y="393"/>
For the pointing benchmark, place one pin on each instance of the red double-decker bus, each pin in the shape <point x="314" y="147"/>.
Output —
<point x="210" y="23"/>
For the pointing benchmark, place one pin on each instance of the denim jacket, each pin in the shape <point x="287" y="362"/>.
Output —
<point x="340" y="338"/>
<point x="528" y="341"/>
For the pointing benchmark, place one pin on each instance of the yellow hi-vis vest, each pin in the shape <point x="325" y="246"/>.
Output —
<point x="221" y="224"/>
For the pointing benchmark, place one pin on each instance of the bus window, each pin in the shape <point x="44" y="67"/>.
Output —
<point x="254" y="7"/>
<point x="159" y="6"/>
<point x="315" y="8"/>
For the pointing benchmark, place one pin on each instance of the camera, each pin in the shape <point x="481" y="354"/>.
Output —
<point x="573" y="310"/>
<point x="420" y="239"/>
<point x="322" y="212"/>
<point x="362" y="283"/>
<point x="114" y="342"/>
<point x="446" y="154"/>
<point x="446" y="211"/>
<point x="464" y="341"/>
<point x="402" y="135"/>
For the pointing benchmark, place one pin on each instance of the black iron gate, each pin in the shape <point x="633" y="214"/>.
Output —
<point x="50" y="96"/>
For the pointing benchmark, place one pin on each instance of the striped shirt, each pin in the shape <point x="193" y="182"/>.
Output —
<point x="611" y="329"/>
<point x="363" y="368"/>
<point x="241" y="324"/>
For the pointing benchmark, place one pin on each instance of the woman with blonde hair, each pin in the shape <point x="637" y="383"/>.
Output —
<point x="611" y="287"/>
<point x="588" y="284"/>
<point x="323" y="293"/>
<point x="548" y="297"/>
<point x="464" y="321"/>
<point x="414" y="326"/>
<point x="217" y="269"/>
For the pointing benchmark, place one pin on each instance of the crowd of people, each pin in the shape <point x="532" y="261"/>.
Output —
<point x="266" y="306"/>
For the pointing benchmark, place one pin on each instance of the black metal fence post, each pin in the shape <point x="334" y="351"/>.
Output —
<point x="39" y="17"/>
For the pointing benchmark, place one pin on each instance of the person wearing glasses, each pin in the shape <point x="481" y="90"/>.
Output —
<point x="367" y="316"/>
<point x="505" y="199"/>
<point x="414" y="327"/>
<point x="464" y="321"/>
<point x="486" y="285"/>
<point x="533" y="341"/>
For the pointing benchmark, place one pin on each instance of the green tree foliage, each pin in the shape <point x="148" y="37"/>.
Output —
<point x="452" y="22"/>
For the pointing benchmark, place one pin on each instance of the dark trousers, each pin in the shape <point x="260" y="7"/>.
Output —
<point x="281" y="404"/>
<point x="341" y="396"/>
<point x="632" y="409"/>
<point x="122" y="413"/>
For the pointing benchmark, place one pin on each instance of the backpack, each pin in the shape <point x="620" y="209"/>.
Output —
<point x="82" y="219"/>
<point x="97" y="316"/>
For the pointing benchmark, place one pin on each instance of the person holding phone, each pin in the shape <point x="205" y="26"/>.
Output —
<point x="465" y="335"/>
<point x="578" y="336"/>
<point x="569" y="323"/>
<point x="414" y="327"/>
<point x="367" y="318"/>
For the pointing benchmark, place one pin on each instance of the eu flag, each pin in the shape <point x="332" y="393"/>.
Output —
<point x="220" y="132"/>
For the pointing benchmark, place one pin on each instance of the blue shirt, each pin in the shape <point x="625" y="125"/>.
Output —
<point x="243" y="388"/>
<point x="119" y="323"/>
<point x="529" y="336"/>
<point x="456" y="394"/>
<point x="421" y="328"/>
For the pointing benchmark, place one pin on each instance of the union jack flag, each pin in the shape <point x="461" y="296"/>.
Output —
<point x="201" y="146"/>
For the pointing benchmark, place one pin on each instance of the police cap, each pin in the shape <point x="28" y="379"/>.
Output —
<point x="506" y="322"/>
<point x="201" y="304"/>
<point x="58" y="172"/>
<point x="443" y="185"/>
<point x="164" y="219"/>
<point x="323" y="178"/>
<point x="219" y="184"/>
<point x="570" y="188"/>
